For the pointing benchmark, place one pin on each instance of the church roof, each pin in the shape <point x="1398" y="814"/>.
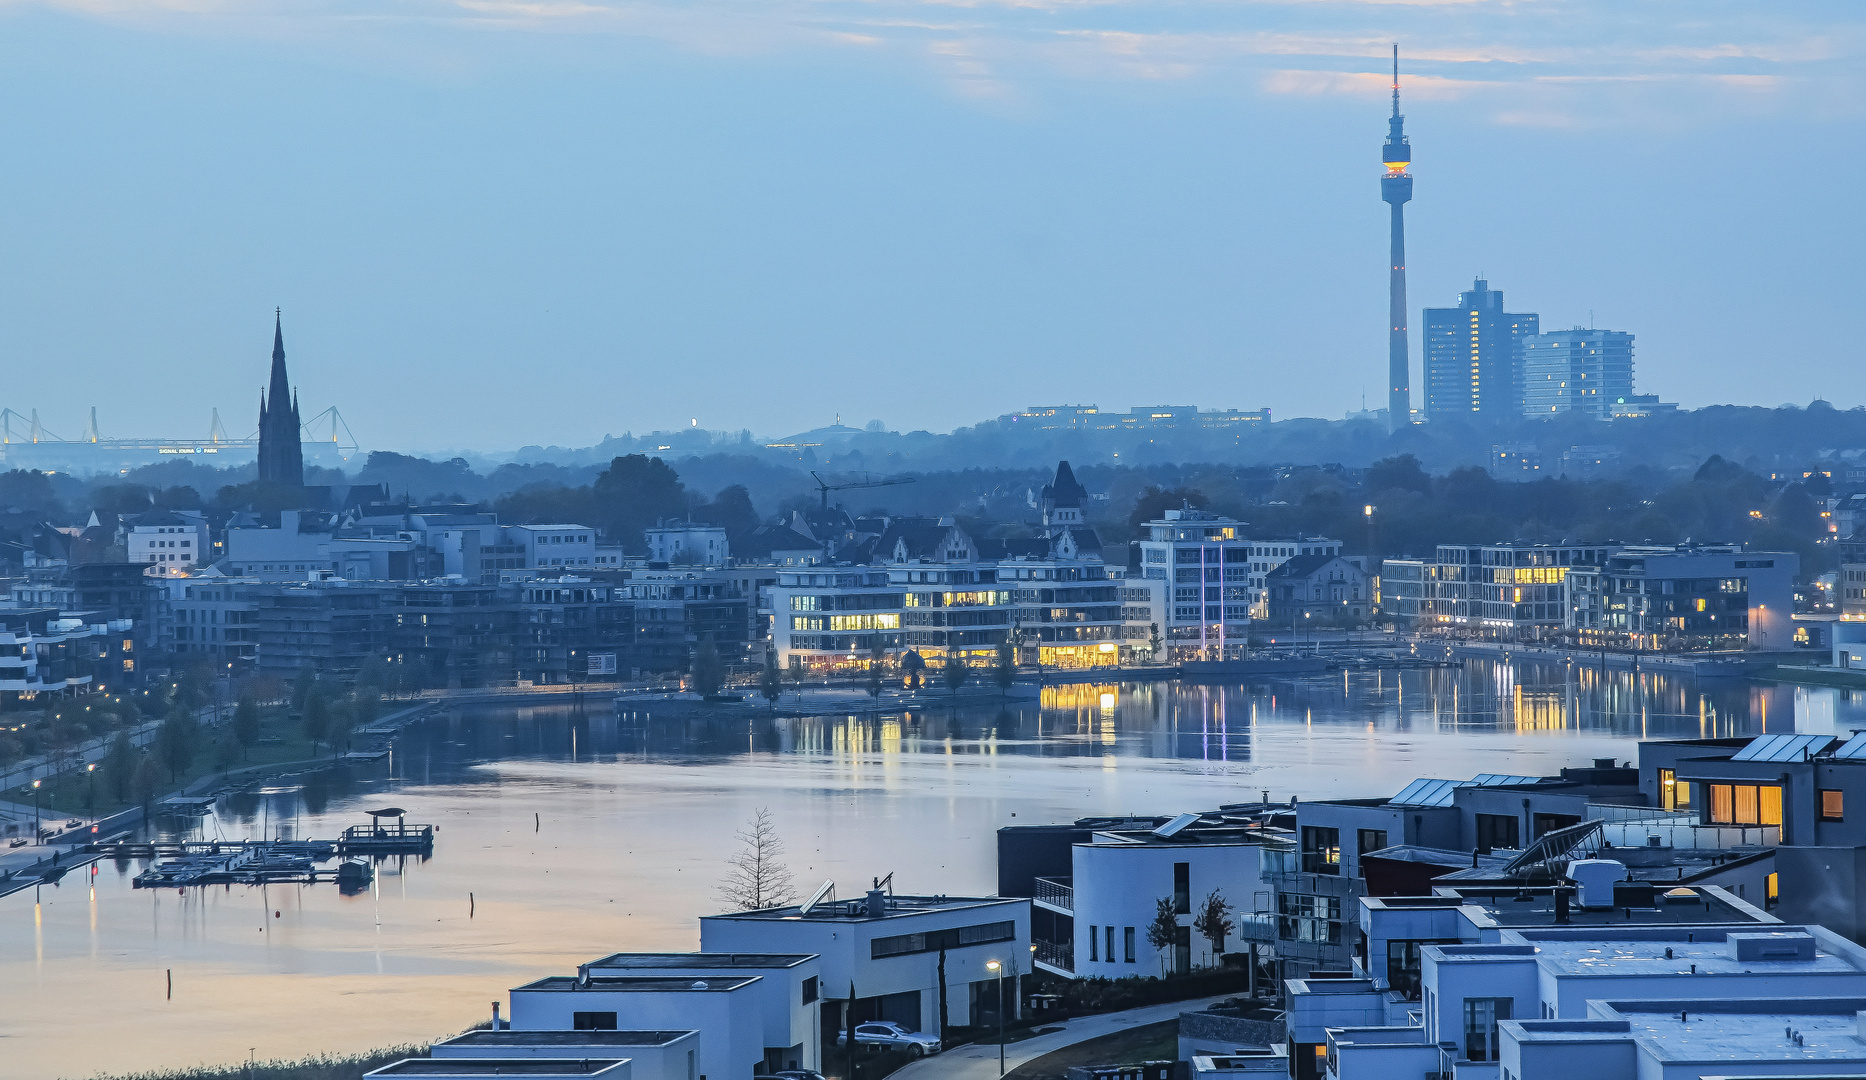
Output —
<point x="1063" y="490"/>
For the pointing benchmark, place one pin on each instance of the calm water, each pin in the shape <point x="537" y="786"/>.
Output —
<point x="632" y="822"/>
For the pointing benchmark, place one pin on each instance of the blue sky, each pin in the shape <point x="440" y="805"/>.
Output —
<point x="493" y="223"/>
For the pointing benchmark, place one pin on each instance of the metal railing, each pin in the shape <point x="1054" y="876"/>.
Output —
<point x="1056" y="894"/>
<point x="1056" y="955"/>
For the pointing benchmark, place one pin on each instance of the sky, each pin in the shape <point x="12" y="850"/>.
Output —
<point x="492" y="223"/>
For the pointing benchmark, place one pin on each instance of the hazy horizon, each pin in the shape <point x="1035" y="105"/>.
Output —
<point x="503" y="224"/>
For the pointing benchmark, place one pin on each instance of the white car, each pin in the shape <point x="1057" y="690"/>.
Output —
<point x="888" y="1033"/>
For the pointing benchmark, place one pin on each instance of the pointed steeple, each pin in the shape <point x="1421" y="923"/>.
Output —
<point x="281" y="453"/>
<point x="281" y="386"/>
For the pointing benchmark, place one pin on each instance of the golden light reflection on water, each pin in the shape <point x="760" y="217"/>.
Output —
<point x="631" y="835"/>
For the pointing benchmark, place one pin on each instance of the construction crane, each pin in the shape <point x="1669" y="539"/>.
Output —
<point x="865" y="482"/>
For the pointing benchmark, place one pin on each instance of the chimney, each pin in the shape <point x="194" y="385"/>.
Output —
<point x="495" y="1016"/>
<point x="1561" y="905"/>
<point x="877" y="903"/>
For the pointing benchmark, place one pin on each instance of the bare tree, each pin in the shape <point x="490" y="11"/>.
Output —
<point x="757" y="880"/>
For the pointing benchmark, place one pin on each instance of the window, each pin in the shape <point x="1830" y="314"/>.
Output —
<point x="1094" y="943"/>
<point x="1367" y="841"/>
<point x="1403" y="965"/>
<point x="1498" y="831"/>
<point x="1674" y="794"/>
<point x="1480" y="1026"/>
<point x="1182" y="893"/>
<point x="1127" y="943"/>
<point x="809" y="990"/>
<point x="1833" y="805"/>
<point x="935" y="940"/>
<point x="1321" y="850"/>
<point x="1770" y="892"/>
<point x="1745" y="804"/>
<point x="593" y="1021"/>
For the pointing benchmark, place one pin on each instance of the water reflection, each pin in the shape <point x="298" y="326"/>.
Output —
<point x="568" y="834"/>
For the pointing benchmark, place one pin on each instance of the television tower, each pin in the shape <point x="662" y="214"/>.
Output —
<point x="1396" y="189"/>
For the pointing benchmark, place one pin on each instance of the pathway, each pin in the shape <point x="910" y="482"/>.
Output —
<point x="980" y="1062"/>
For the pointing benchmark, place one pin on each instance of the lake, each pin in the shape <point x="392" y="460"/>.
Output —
<point x="566" y="836"/>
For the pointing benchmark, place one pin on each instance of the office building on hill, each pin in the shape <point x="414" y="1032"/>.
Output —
<point x="1473" y="356"/>
<point x="1577" y="371"/>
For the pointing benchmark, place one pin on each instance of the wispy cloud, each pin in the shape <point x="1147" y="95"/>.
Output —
<point x="1533" y="53"/>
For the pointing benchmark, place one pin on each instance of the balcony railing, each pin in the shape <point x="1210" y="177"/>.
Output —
<point x="1056" y="893"/>
<point x="1056" y="955"/>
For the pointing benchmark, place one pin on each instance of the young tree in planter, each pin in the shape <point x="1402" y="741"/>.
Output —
<point x="1153" y="641"/>
<point x="770" y="684"/>
<point x="956" y="672"/>
<point x="1214" y="922"/>
<point x="178" y="738"/>
<point x="1163" y="931"/>
<point x="1005" y="671"/>
<point x="246" y="723"/>
<point x="709" y="671"/>
<point x="877" y="669"/>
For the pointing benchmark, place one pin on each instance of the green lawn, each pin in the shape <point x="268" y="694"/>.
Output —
<point x="81" y="794"/>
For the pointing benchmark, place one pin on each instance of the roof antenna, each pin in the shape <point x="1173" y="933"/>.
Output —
<point x="1396" y="111"/>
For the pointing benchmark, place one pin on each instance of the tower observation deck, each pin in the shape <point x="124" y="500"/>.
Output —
<point x="1396" y="190"/>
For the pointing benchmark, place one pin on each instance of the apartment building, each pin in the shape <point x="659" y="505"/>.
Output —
<point x="1685" y="597"/>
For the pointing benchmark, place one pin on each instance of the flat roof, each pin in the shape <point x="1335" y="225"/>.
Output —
<point x="455" y="1067"/>
<point x="1648" y="958"/>
<point x="695" y="961"/>
<point x="1535" y="907"/>
<point x="1748" y="1030"/>
<point x="639" y="983"/>
<point x="854" y="911"/>
<point x="605" y="1039"/>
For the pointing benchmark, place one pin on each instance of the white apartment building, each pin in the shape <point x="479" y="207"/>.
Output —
<point x="554" y="545"/>
<point x="725" y="1009"/>
<point x="171" y="544"/>
<point x="1103" y="908"/>
<point x="688" y="543"/>
<point x="1206" y="562"/>
<point x="887" y="949"/>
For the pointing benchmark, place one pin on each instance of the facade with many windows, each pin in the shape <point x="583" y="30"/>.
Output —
<point x="1205" y="561"/>
<point x="1686" y="597"/>
<point x="1508" y="592"/>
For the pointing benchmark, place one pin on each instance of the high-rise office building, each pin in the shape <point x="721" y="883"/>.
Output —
<point x="1580" y="371"/>
<point x="1473" y="356"/>
<point x="1396" y="189"/>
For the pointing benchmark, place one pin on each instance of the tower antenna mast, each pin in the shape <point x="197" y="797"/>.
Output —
<point x="1396" y="191"/>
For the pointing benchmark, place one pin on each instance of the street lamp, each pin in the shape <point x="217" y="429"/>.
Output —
<point x="998" y="969"/>
<point x="36" y="831"/>
<point x="90" y="799"/>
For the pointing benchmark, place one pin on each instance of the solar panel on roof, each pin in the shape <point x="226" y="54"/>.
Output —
<point x="1782" y="747"/>
<point x="1854" y="748"/>
<point x="1427" y="792"/>
<point x="1502" y="780"/>
<point x="1171" y="828"/>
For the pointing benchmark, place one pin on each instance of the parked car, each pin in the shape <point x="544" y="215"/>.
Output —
<point x="888" y="1033"/>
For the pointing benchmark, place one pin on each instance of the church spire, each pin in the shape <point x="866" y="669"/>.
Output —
<point x="281" y="452"/>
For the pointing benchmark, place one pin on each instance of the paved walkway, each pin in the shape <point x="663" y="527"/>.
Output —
<point x="976" y="1062"/>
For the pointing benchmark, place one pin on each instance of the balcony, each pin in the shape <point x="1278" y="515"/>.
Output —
<point x="1056" y="894"/>
<point x="1057" y="957"/>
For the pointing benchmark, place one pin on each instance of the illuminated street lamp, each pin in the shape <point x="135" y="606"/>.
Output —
<point x="998" y="969"/>
<point x="35" y="812"/>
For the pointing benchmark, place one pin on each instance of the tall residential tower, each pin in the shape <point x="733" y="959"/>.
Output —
<point x="1396" y="189"/>
<point x="281" y="446"/>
